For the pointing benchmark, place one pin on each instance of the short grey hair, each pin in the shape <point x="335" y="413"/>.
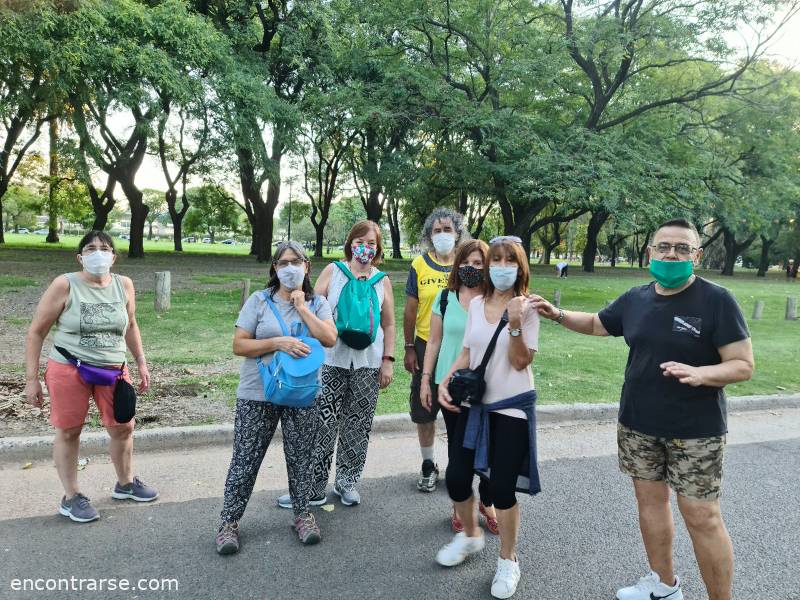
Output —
<point x="289" y="245"/>
<point x="444" y="214"/>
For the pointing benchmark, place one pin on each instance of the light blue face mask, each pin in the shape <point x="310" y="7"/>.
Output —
<point x="292" y="277"/>
<point x="503" y="278"/>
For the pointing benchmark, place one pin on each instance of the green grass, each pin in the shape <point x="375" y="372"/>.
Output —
<point x="11" y="283"/>
<point x="221" y="278"/>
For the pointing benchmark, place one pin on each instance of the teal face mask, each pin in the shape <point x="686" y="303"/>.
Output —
<point x="671" y="273"/>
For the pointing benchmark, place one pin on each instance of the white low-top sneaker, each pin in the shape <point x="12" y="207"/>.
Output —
<point x="460" y="548"/>
<point x="650" y="587"/>
<point x="506" y="578"/>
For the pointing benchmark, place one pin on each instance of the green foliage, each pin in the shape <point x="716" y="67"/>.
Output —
<point x="212" y="210"/>
<point x="20" y="207"/>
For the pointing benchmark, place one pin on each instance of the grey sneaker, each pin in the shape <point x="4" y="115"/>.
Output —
<point x="228" y="538"/>
<point x="307" y="529"/>
<point x="78" y="508"/>
<point x="285" y="501"/>
<point x="136" y="490"/>
<point x="348" y="497"/>
<point x="428" y="477"/>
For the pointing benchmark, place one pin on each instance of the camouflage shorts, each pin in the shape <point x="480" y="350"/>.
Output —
<point x="693" y="468"/>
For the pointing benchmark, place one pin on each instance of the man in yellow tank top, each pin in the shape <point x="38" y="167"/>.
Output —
<point x="443" y="230"/>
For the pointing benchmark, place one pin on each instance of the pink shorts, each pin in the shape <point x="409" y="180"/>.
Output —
<point x="69" y="397"/>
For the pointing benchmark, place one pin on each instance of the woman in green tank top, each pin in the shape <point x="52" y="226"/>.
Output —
<point x="94" y="312"/>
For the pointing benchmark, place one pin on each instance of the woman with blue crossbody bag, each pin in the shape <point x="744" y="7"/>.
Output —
<point x="281" y="332"/>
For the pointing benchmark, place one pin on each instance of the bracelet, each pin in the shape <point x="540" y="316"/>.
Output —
<point x="139" y="358"/>
<point x="561" y="315"/>
<point x="410" y="346"/>
<point x="389" y="358"/>
<point x="424" y="373"/>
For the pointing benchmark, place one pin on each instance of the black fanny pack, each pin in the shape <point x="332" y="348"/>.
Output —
<point x="469" y="385"/>
<point x="124" y="394"/>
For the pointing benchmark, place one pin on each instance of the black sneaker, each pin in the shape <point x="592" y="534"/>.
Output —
<point x="428" y="477"/>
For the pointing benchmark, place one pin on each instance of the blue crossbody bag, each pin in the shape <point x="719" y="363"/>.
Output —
<point x="290" y="381"/>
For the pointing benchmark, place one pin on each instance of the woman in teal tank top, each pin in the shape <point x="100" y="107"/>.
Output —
<point x="444" y="346"/>
<point x="94" y="313"/>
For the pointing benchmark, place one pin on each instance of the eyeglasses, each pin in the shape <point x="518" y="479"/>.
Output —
<point x="506" y="238"/>
<point x="680" y="249"/>
<point x="297" y="262"/>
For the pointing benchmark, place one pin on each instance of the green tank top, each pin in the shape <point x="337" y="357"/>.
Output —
<point x="93" y="323"/>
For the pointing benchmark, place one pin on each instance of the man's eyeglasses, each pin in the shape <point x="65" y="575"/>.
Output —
<point x="506" y="238"/>
<point x="296" y="262"/>
<point x="680" y="249"/>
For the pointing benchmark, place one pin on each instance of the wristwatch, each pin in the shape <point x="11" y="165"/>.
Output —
<point x="516" y="332"/>
<point x="561" y="315"/>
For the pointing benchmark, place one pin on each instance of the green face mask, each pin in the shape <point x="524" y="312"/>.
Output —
<point x="671" y="273"/>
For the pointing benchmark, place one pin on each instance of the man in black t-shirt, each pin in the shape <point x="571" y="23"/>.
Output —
<point x="687" y="339"/>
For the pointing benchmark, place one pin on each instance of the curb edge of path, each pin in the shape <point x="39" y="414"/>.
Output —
<point x="29" y="448"/>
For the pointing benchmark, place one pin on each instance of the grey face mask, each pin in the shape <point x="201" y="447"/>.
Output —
<point x="291" y="277"/>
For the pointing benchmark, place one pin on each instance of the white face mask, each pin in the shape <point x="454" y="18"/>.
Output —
<point x="292" y="277"/>
<point x="444" y="243"/>
<point x="97" y="262"/>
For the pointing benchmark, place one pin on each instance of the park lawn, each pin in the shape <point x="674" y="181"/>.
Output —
<point x="12" y="283"/>
<point x="568" y="368"/>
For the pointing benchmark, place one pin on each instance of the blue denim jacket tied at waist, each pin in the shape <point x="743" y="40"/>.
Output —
<point x="476" y="435"/>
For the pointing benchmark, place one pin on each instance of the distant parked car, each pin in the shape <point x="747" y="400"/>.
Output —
<point x="228" y="242"/>
<point x="206" y="240"/>
<point x="23" y="230"/>
<point x="189" y="239"/>
<point x="39" y="231"/>
<point x="124" y="236"/>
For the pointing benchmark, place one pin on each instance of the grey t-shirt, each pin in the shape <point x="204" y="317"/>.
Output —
<point x="257" y="318"/>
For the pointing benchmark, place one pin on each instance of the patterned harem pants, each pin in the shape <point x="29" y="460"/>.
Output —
<point x="346" y="408"/>
<point x="255" y="425"/>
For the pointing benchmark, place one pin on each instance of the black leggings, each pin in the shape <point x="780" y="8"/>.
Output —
<point x="450" y="420"/>
<point x="509" y="447"/>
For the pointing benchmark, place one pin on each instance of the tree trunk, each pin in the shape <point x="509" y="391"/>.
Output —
<point x="139" y="212"/>
<point x="101" y="217"/>
<point x="613" y="249"/>
<point x="373" y="206"/>
<point x="763" y="263"/>
<point x="642" y="250"/>
<point x="52" y="191"/>
<point x="596" y="223"/>
<point x="149" y="231"/>
<point x="320" y="240"/>
<point x="392" y="214"/>
<point x="732" y="250"/>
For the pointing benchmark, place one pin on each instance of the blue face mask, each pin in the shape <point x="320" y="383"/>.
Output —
<point x="503" y="278"/>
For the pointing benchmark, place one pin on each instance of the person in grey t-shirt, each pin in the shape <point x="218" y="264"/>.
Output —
<point x="258" y="333"/>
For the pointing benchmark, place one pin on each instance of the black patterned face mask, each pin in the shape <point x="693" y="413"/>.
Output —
<point x="470" y="276"/>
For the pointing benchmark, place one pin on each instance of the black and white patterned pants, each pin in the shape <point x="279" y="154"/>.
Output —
<point x="255" y="425"/>
<point x="346" y="408"/>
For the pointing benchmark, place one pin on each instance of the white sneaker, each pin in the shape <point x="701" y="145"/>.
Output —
<point x="460" y="548"/>
<point x="506" y="578"/>
<point x="650" y="587"/>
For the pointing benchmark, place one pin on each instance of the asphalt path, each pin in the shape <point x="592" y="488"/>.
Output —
<point x="579" y="539"/>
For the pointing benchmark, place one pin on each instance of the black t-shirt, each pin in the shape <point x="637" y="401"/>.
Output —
<point x="687" y="327"/>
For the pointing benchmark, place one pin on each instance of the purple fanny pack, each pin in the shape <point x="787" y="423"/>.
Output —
<point x="91" y="374"/>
